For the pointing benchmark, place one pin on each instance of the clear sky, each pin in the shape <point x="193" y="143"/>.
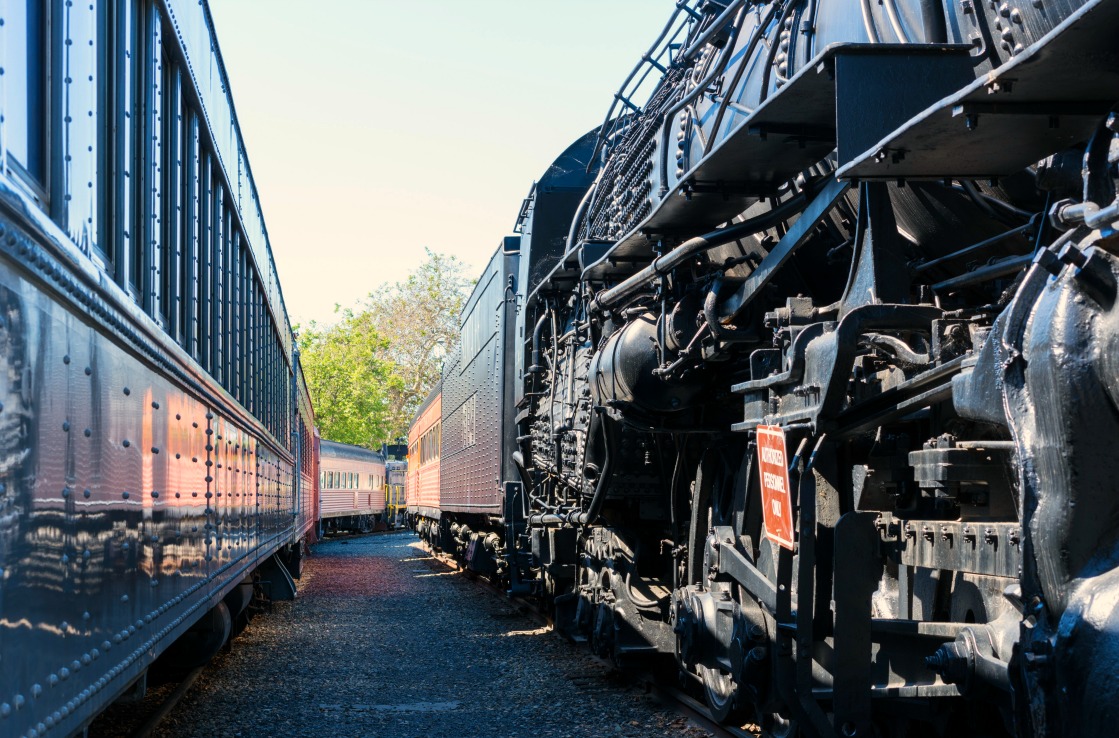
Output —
<point x="377" y="127"/>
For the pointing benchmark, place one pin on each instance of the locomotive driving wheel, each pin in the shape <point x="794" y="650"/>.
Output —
<point x="723" y="696"/>
<point x="712" y="505"/>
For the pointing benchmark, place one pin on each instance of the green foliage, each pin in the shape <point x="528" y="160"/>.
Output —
<point x="419" y="318"/>
<point x="350" y="379"/>
<point x="369" y="372"/>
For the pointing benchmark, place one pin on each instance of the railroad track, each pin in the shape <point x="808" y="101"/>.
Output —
<point x="164" y="709"/>
<point x="689" y="707"/>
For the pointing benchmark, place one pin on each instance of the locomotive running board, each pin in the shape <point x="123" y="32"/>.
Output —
<point x="1049" y="97"/>
<point x="792" y="130"/>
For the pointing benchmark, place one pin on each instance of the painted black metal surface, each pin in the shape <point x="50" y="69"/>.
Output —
<point x="790" y="233"/>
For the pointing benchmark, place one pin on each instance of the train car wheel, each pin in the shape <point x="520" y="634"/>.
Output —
<point x="723" y="697"/>
<point x="775" y="725"/>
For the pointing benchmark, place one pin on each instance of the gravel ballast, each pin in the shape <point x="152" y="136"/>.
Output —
<point x="385" y="641"/>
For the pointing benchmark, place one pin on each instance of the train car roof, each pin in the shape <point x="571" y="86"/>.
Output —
<point x="435" y="392"/>
<point x="350" y="452"/>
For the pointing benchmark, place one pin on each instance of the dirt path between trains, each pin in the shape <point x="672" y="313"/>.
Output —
<point x="383" y="641"/>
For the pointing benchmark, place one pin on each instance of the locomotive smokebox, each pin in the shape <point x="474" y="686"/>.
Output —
<point x="622" y="372"/>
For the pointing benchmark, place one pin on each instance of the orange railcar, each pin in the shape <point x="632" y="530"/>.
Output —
<point x="422" y="482"/>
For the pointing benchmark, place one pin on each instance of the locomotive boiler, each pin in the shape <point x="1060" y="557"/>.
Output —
<point x="814" y="369"/>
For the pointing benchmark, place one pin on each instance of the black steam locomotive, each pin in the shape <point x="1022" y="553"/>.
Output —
<point x="805" y="371"/>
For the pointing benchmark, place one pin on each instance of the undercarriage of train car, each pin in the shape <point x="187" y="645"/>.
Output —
<point x="845" y="458"/>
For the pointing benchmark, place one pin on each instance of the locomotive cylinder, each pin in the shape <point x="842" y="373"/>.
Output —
<point x="622" y="372"/>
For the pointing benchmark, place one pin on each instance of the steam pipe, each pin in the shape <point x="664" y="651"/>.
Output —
<point x="700" y="88"/>
<point x="589" y="516"/>
<point x="646" y="57"/>
<point x="535" y="368"/>
<point x="727" y="334"/>
<point x="719" y="237"/>
<point x="579" y="213"/>
<point x="719" y="23"/>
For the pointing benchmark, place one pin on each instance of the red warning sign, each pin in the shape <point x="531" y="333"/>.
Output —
<point x="777" y="501"/>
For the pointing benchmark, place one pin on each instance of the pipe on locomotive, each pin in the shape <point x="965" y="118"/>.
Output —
<point x="724" y="333"/>
<point x="701" y="87"/>
<point x="590" y="515"/>
<point x="535" y="367"/>
<point x="647" y="57"/>
<point x="718" y="237"/>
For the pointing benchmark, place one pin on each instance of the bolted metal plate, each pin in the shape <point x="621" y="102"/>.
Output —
<point x="1049" y="97"/>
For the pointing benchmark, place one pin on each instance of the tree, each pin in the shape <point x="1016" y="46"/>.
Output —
<point x="419" y="319"/>
<point x="351" y="379"/>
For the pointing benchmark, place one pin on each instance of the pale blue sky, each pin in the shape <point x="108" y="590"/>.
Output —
<point x="377" y="127"/>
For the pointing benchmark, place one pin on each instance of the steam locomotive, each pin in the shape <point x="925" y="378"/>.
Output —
<point x="802" y="373"/>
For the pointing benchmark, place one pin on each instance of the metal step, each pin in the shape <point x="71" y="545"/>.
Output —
<point x="1049" y="97"/>
<point x="796" y="127"/>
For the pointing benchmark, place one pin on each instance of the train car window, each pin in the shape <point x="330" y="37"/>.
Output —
<point x="242" y="322"/>
<point x="130" y="58"/>
<point x="251" y="333"/>
<point x="172" y="211"/>
<point x="217" y="298"/>
<point x="190" y="237"/>
<point x="205" y="260"/>
<point x="76" y="197"/>
<point x="233" y="312"/>
<point x="26" y="112"/>
<point x="151" y="155"/>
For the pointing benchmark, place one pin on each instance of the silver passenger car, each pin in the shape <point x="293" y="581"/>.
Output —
<point x="155" y="431"/>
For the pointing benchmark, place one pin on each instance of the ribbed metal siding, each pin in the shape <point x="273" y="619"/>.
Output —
<point x="473" y="448"/>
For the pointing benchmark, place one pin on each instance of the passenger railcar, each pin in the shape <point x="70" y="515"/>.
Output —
<point x="422" y="481"/>
<point x="352" y="488"/>
<point x="396" y="501"/>
<point x="157" y="442"/>
<point x="814" y="378"/>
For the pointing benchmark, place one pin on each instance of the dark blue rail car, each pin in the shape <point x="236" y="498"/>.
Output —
<point x="155" y="432"/>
